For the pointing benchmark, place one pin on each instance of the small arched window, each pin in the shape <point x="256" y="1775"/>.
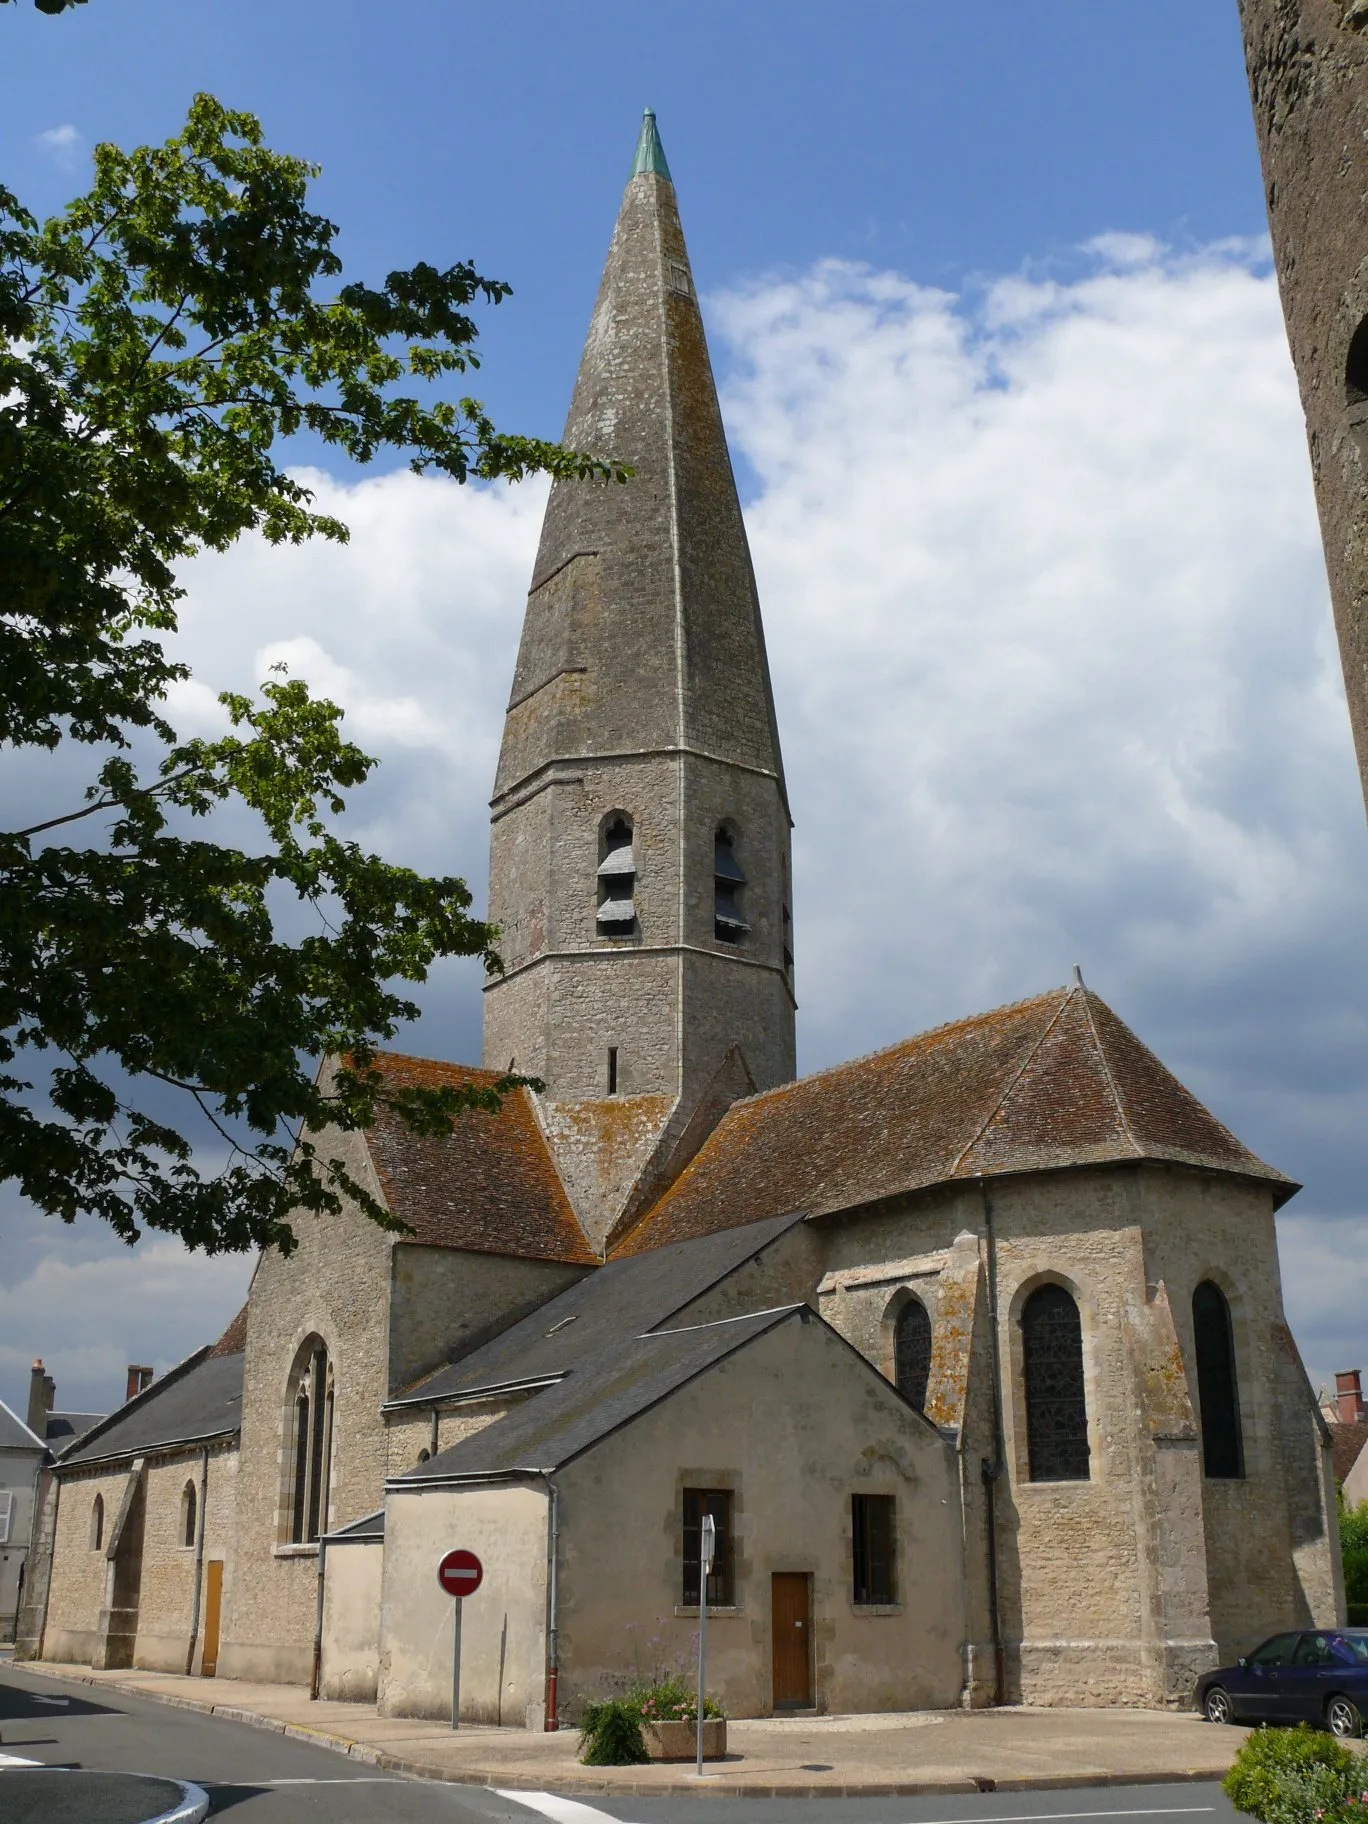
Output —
<point x="1217" y="1387"/>
<point x="617" y="878"/>
<point x="425" y="1455"/>
<point x="1356" y="367"/>
<point x="1056" y="1404"/>
<point x="729" y="924"/>
<point x="309" y="1416"/>
<point x="912" y="1353"/>
<point x="189" y="1513"/>
<point x="97" y="1523"/>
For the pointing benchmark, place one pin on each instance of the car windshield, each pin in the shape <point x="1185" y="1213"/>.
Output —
<point x="1356" y="1644"/>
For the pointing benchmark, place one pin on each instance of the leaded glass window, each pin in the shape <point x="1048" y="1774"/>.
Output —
<point x="912" y="1353"/>
<point x="1217" y="1390"/>
<point x="1056" y="1405"/>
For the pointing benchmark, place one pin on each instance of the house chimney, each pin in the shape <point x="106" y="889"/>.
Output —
<point x="1349" y="1396"/>
<point x="138" y="1379"/>
<point x="42" y="1393"/>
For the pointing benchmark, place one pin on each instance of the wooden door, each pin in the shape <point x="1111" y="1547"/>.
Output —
<point x="791" y="1610"/>
<point x="213" y="1608"/>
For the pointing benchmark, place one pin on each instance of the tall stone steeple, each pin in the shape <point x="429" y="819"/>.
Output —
<point x="639" y="854"/>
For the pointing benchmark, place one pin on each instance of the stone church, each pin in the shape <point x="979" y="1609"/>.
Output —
<point x="973" y="1348"/>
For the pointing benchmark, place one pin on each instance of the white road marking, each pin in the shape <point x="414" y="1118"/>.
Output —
<point x="559" y="1810"/>
<point x="59" y="1701"/>
<point x="17" y="1760"/>
<point x="357" y="1779"/>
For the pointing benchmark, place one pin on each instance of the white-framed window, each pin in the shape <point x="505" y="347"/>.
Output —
<point x="6" y="1514"/>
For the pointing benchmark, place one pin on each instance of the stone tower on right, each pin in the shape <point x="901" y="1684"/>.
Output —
<point x="1308" y="76"/>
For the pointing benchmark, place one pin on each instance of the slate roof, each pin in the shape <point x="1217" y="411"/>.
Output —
<point x="621" y="1299"/>
<point x="368" y="1530"/>
<point x="1045" y="1083"/>
<point x="1347" y="1439"/>
<point x="490" y="1185"/>
<point x="199" y="1399"/>
<point x="622" y="1379"/>
<point x="14" y="1434"/>
<point x="63" y="1428"/>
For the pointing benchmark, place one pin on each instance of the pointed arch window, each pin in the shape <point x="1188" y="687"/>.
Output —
<point x="309" y="1416"/>
<point x="729" y="924"/>
<point x="97" y="1523"/>
<point x="1217" y="1387"/>
<point x="617" y="874"/>
<point x="1056" y="1403"/>
<point x="1356" y="367"/>
<point x="189" y="1513"/>
<point x="912" y="1353"/>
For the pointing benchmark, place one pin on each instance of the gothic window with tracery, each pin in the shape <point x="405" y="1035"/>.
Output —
<point x="309" y="1459"/>
<point x="912" y="1353"/>
<point x="1217" y="1388"/>
<point x="1056" y="1403"/>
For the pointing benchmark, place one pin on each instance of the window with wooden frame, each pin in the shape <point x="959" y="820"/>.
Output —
<point x="721" y="1586"/>
<point x="874" y="1535"/>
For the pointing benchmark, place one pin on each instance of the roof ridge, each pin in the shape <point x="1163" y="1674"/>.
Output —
<point x="23" y="1426"/>
<point x="1127" y="1129"/>
<point x="1007" y="1093"/>
<point x="883" y="1051"/>
<point x="176" y="1372"/>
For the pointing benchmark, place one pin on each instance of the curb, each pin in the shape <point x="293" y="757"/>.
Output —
<point x="590" y="1783"/>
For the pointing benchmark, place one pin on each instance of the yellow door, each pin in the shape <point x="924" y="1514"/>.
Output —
<point x="213" y="1606"/>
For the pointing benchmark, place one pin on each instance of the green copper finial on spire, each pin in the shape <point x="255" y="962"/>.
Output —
<point x="650" y="154"/>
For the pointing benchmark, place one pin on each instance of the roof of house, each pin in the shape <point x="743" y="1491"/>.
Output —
<point x="197" y="1400"/>
<point x="623" y="1298"/>
<point x="621" y="1380"/>
<point x="1046" y="1083"/>
<point x="1347" y="1439"/>
<point x="63" y="1428"/>
<point x="489" y="1185"/>
<point x="14" y="1434"/>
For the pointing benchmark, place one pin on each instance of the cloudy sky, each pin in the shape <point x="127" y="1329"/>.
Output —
<point x="1004" y="373"/>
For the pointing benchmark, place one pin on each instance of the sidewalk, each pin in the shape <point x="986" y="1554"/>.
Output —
<point x="920" y="1751"/>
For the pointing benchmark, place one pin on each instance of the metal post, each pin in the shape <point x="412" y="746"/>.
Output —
<point x="456" y="1662"/>
<point x="707" y="1546"/>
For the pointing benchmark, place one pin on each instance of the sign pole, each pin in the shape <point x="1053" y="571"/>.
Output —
<point x="707" y="1547"/>
<point x="456" y="1662"/>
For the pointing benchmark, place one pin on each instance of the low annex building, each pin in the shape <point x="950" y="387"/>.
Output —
<point x="973" y="1349"/>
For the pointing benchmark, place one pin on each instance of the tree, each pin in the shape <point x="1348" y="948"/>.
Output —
<point x="157" y="339"/>
<point x="52" y="6"/>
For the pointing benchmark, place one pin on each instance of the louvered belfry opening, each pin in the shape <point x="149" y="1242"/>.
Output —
<point x="617" y="916"/>
<point x="729" y="924"/>
<point x="1056" y="1401"/>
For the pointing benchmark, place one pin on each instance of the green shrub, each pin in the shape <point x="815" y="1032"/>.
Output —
<point x="611" y="1733"/>
<point x="1297" y="1776"/>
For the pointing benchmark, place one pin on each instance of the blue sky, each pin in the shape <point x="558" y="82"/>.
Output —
<point x="1006" y="385"/>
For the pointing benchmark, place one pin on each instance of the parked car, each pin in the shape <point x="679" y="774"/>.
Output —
<point x="1313" y="1675"/>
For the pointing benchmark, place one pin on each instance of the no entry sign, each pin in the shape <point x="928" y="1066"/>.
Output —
<point x="460" y="1573"/>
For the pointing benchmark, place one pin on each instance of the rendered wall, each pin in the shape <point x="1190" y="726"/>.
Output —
<point x="350" y="1667"/>
<point x="18" y="1476"/>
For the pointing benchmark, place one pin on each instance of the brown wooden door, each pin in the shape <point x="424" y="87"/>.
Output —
<point x="213" y="1608"/>
<point x="791" y="1609"/>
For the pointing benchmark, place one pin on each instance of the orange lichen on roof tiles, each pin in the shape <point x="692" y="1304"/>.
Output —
<point x="1042" y="1084"/>
<point x="489" y="1185"/>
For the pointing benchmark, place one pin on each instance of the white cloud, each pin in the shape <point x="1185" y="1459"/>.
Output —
<point x="64" y="143"/>
<point x="1054" y="669"/>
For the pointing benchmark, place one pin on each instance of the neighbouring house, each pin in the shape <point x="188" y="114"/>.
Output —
<point x="974" y="1348"/>
<point x="22" y="1456"/>
<point x="1347" y="1421"/>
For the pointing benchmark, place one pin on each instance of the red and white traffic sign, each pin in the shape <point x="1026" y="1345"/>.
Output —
<point x="460" y="1573"/>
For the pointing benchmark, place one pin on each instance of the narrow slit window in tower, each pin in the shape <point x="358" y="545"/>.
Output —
<point x="729" y="927"/>
<point x="612" y="1070"/>
<point x="617" y="881"/>
<point x="1217" y="1389"/>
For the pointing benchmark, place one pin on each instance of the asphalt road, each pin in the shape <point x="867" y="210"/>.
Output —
<point x="256" y="1777"/>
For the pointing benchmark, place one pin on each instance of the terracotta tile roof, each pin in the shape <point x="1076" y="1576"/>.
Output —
<point x="1050" y="1082"/>
<point x="234" y="1339"/>
<point x="1347" y="1439"/>
<point x="490" y="1185"/>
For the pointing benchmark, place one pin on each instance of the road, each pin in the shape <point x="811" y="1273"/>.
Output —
<point x="256" y="1777"/>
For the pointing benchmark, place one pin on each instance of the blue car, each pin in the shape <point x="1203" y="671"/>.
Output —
<point x="1313" y="1675"/>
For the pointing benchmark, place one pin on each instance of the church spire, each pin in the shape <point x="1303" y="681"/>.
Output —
<point x="639" y="858"/>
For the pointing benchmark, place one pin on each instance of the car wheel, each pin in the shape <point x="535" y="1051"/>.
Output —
<point x="1342" y="1718"/>
<point x="1216" y="1706"/>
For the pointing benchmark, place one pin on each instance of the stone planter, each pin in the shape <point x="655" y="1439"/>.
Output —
<point x="679" y="1741"/>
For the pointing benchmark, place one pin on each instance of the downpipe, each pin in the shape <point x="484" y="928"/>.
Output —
<point x="552" y="1594"/>
<point x="316" y="1675"/>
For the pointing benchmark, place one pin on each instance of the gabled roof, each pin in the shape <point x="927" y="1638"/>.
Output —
<point x="15" y="1435"/>
<point x="1347" y="1439"/>
<point x="63" y="1428"/>
<point x="489" y="1185"/>
<point x="621" y="1299"/>
<point x="199" y="1399"/>
<point x="1051" y="1082"/>
<point x="623" y="1379"/>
